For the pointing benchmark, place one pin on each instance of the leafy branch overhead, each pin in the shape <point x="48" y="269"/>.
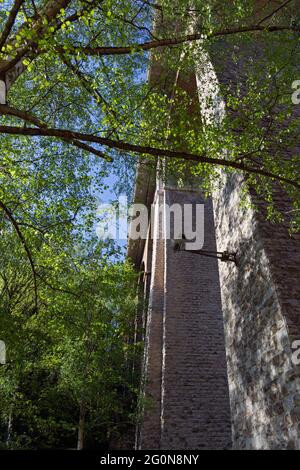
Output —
<point x="43" y="37"/>
<point x="76" y="103"/>
<point x="70" y="136"/>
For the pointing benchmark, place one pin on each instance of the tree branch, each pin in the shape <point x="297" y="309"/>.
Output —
<point x="75" y="16"/>
<point x="10" y="21"/>
<point x="147" y="46"/>
<point x="58" y="289"/>
<point x="275" y="11"/>
<point x="89" y="149"/>
<point x="171" y="42"/>
<point x="153" y="5"/>
<point x="49" y="11"/>
<point x="25" y="116"/>
<point x="9" y="111"/>
<point x="140" y="149"/>
<point x="13" y="221"/>
<point x="86" y="84"/>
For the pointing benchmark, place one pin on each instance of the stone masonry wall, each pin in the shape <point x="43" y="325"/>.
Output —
<point x="195" y="398"/>
<point x="150" y="428"/>
<point x="264" y="383"/>
<point x="186" y="376"/>
<point x="260" y="298"/>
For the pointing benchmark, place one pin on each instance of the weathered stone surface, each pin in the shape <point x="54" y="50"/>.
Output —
<point x="257" y="331"/>
<point x="186" y="363"/>
<point x="260" y="297"/>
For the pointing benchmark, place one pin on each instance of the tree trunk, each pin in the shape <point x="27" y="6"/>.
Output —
<point x="9" y="426"/>
<point x="81" y="424"/>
